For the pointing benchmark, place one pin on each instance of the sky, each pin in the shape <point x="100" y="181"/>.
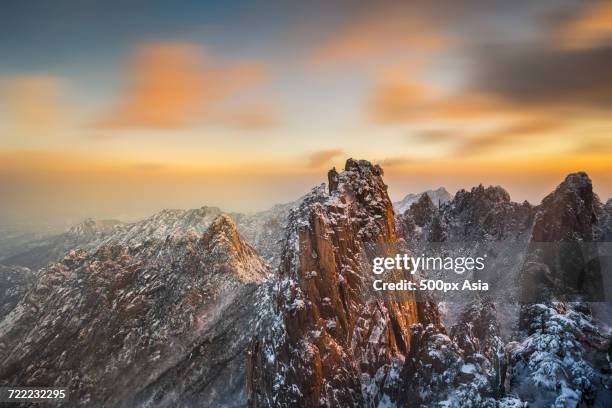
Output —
<point x="119" y="109"/>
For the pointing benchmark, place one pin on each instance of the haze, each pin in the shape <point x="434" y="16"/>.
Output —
<point x="114" y="110"/>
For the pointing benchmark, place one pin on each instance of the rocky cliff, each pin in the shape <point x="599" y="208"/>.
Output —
<point x="331" y="344"/>
<point x="561" y="357"/>
<point x="562" y="261"/>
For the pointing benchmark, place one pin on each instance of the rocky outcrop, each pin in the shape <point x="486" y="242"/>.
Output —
<point x="165" y="322"/>
<point x="562" y="261"/>
<point x="569" y="213"/>
<point x="463" y="369"/>
<point x="486" y="214"/>
<point x="331" y="343"/>
<point x="561" y="359"/>
<point x="480" y="222"/>
<point x="479" y="216"/>
<point x="422" y="211"/>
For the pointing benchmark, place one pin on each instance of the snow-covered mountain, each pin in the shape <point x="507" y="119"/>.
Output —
<point x="438" y="196"/>
<point x="14" y="283"/>
<point x="330" y="344"/>
<point x="165" y="322"/>
<point x="264" y="230"/>
<point x="260" y="229"/>
<point x="38" y="253"/>
<point x="271" y="309"/>
<point x="481" y="214"/>
<point x="483" y="220"/>
<point x="562" y="358"/>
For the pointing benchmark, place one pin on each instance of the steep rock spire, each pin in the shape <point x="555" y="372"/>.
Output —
<point x="332" y="340"/>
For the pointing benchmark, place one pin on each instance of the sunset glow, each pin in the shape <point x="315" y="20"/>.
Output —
<point x="125" y="112"/>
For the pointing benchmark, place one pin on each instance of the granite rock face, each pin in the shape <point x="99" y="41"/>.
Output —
<point x="569" y="213"/>
<point x="331" y="345"/>
<point x="482" y="221"/>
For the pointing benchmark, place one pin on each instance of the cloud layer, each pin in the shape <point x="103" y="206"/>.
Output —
<point x="174" y="85"/>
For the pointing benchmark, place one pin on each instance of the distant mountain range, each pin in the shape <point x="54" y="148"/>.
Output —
<point x="438" y="196"/>
<point x="260" y="229"/>
<point x="201" y="308"/>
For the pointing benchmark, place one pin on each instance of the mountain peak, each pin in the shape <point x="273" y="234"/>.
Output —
<point x="569" y="212"/>
<point x="568" y="217"/>
<point x="578" y="179"/>
<point x="579" y="183"/>
<point x="438" y="196"/>
<point x="363" y="167"/>
<point x="222" y="238"/>
<point x="223" y="227"/>
<point x="327" y="338"/>
<point x="493" y="194"/>
<point x="223" y="223"/>
<point x="91" y="227"/>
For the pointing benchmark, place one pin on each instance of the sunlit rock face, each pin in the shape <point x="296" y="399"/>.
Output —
<point x="331" y="345"/>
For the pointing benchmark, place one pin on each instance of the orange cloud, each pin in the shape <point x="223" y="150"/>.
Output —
<point x="33" y="104"/>
<point x="521" y="129"/>
<point x="397" y="100"/>
<point x="403" y="101"/>
<point x="379" y="34"/>
<point x="176" y="85"/>
<point x="323" y="158"/>
<point x="591" y="29"/>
